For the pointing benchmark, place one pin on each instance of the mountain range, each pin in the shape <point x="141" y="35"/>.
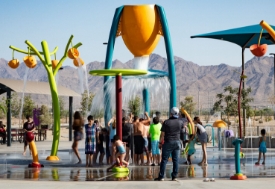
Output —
<point x="201" y="82"/>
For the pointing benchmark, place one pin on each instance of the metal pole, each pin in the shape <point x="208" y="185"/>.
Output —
<point x="70" y="117"/>
<point x="8" y="118"/>
<point x="243" y="89"/>
<point x="274" y="83"/>
<point x="119" y="106"/>
<point x="273" y="99"/>
<point x="146" y="100"/>
<point x="243" y="49"/>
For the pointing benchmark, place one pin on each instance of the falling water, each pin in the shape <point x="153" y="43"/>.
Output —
<point x="131" y="87"/>
<point x="80" y="75"/>
<point x="23" y="94"/>
<point x="86" y="80"/>
<point x="83" y="77"/>
<point x="141" y="63"/>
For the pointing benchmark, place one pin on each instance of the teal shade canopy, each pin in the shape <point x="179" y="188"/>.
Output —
<point x="241" y="36"/>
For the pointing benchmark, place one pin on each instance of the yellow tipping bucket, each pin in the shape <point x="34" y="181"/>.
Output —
<point x="140" y="28"/>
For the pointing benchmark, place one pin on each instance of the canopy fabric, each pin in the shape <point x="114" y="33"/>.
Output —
<point x="33" y="87"/>
<point x="240" y="36"/>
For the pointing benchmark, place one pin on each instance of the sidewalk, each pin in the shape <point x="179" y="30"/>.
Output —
<point x="186" y="184"/>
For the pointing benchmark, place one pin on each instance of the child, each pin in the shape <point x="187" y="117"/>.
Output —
<point x="121" y="151"/>
<point x="262" y="147"/>
<point x="191" y="149"/>
<point x="102" y="133"/>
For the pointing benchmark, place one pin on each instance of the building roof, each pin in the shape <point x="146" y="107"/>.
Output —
<point x="33" y="87"/>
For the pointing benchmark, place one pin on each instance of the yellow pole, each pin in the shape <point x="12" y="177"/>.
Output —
<point x="268" y="28"/>
<point x="34" y="152"/>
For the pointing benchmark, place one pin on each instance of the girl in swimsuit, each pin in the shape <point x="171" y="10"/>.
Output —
<point x="120" y="156"/>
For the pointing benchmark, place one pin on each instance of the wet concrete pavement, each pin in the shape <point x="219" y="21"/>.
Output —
<point x="13" y="166"/>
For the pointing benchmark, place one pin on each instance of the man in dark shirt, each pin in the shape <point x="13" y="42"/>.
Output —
<point x="170" y="135"/>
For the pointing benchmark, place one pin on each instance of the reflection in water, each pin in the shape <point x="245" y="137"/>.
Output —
<point x="32" y="173"/>
<point x="204" y="171"/>
<point x="55" y="175"/>
<point x="150" y="175"/>
<point x="191" y="171"/>
<point x="89" y="175"/>
<point x="75" y="175"/>
<point x="121" y="176"/>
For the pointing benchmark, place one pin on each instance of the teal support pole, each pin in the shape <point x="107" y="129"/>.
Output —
<point x="146" y="100"/>
<point x="238" y="176"/>
<point x="108" y="61"/>
<point x="219" y="138"/>
<point x="170" y="56"/>
<point x="213" y="133"/>
<point x="237" y="144"/>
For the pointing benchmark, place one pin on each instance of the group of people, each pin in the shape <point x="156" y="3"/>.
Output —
<point x="139" y="136"/>
<point x="158" y="140"/>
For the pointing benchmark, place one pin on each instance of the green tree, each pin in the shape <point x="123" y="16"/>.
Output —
<point x="188" y="104"/>
<point x="15" y="105"/>
<point x="86" y="102"/>
<point x="62" y="107"/>
<point x="227" y="103"/>
<point x="134" y="105"/>
<point x="28" y="106"/>
<point x="99" y="114"/>
<point x="3" y="108"/>
<point x="45" y="116"/>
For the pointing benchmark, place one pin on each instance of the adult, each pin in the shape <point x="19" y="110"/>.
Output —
<point x="155" y="132"/>
<point x="138" y="140"/>
<point x="78" y="133"/>
<point x="3" y="133"/>
<point x="170" y="134"/>
<point x="202" y="136"/>
<point x="90" y="141"/>
<point x="147" y="139"/>
<point x="28" y="127"/>
<point x="127" y="130"/>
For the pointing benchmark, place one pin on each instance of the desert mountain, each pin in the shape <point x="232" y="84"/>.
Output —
<point x="191" y="78"/>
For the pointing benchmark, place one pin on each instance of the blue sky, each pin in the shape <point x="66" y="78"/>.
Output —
<point x="90" y="21"/>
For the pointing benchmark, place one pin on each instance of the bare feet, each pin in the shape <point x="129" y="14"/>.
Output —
<point x="24" y="154"/>
<point x="80" y="162"/>
<point x="257" y="163"/>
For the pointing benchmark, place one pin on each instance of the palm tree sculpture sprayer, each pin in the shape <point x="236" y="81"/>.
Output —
<point x="52" y="67"/>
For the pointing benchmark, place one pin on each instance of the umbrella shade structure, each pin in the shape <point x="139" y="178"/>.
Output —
<point x="243" y="36"/>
